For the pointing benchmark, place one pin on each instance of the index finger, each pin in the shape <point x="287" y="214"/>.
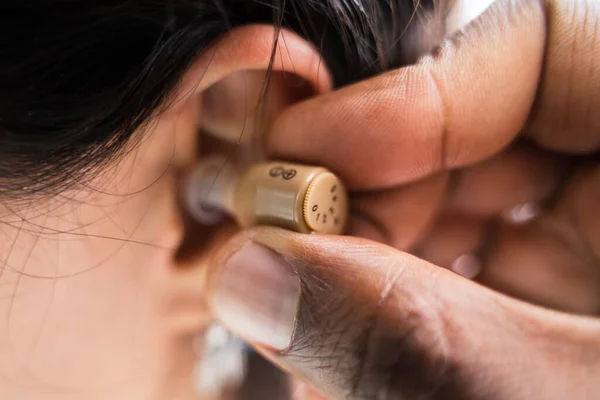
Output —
<point x="453" y="108"/>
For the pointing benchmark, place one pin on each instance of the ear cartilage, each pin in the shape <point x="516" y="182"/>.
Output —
<point x="301" y="198"/>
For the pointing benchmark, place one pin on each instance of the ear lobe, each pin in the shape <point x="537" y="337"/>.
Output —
<point x="231" y="77"/>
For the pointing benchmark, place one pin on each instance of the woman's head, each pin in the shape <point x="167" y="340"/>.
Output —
<point x="78" y="78"/>
<point x="101" y="103"/>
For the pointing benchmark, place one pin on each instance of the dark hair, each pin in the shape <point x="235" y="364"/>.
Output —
<point x="78" y="77"/>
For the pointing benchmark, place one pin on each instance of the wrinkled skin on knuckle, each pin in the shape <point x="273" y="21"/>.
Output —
<point x="408" y="352"/>
<point x="360" y="346"/>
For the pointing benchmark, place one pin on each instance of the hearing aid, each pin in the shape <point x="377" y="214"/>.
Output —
<point x="301" y="198"/>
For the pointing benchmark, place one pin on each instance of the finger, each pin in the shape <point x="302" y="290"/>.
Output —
<point x="579" y="204"/>
<point x="520" y="175"/>
<point x="451" y="237"/>
<point x="401" y="215"/>
<point x="554" y="260"/>
<point x="544" y="263"/>
<point x="565" y="117"/>
<point x="455" y="108"/>
<point x="361" y="320"/>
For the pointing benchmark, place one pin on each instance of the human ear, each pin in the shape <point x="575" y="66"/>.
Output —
<point x="249" y="75"/>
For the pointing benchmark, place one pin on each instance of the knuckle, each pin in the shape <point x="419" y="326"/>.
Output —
<point x="393" y="345"/>
<point x="407" y="353"/>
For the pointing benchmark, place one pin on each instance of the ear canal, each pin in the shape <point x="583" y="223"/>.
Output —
<point x="301" y="198"/>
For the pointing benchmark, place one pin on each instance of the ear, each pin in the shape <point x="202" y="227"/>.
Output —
<point x="230" y="79"/>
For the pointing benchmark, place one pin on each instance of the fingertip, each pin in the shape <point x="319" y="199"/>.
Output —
<point x="453" y="108"/>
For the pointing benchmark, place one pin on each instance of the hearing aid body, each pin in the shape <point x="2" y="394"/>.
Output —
<point x="300" y="198"/>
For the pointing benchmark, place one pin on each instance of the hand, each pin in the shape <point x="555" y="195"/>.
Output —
<point x="503" y="115"/>
<point x="360" y="320"/>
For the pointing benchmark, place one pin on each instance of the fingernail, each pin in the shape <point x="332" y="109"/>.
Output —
<point x="467" y="265"/>
<point x="257" y="296"/>
<point x="522" y="213"/>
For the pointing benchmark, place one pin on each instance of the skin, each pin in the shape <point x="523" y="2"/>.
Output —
<point x="469" y="145"/>
<point x="82" y="280"/>
<point x="79" y="278"/>
<point x="502" y="115"/>
<point x="450" y="140"/>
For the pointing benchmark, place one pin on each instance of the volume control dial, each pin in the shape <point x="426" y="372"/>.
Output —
<point x="326" y="204"/>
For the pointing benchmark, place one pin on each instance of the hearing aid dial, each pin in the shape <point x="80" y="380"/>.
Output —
<point x="301" y="198"/>
<point x="325" y="204"/>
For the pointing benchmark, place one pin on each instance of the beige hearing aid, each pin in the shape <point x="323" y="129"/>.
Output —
<point x="300" y="198"/>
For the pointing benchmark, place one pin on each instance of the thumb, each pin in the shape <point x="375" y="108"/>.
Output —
<point x="360" y="320"/>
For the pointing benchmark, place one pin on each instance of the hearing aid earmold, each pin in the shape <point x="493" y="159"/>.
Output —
<point x="301" y="198"/>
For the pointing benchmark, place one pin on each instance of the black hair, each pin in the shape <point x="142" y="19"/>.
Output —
<point x="79" y="77"/>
